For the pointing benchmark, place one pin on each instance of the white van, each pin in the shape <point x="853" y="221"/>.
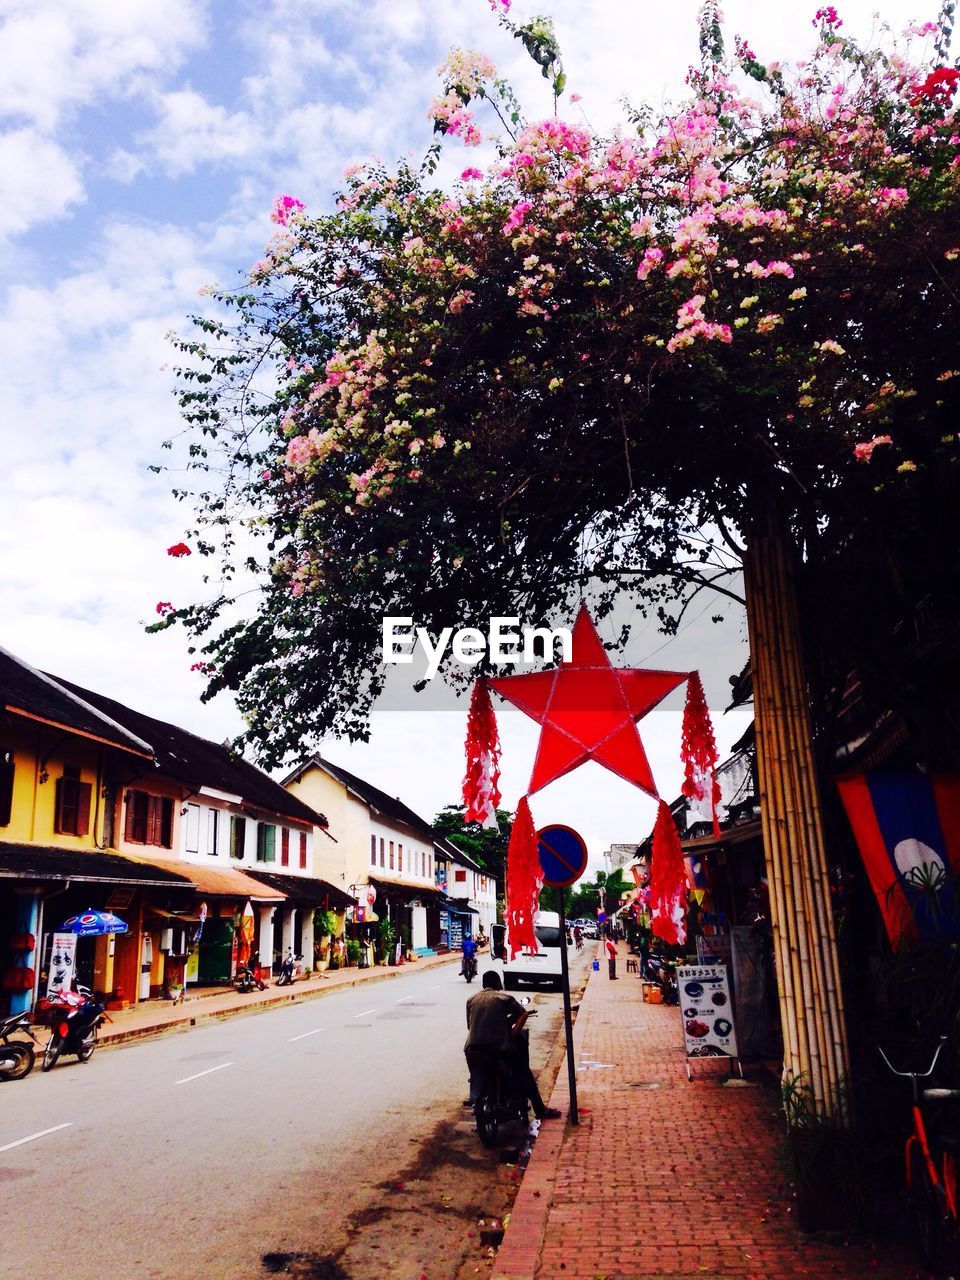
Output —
<point x="540" y="968"/>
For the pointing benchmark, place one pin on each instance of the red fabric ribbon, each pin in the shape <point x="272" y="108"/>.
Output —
<point x="524" y="880"/>
<point x="699" y="753"/>
<point x="481" y="782"/>
<point x="668" y="880"/>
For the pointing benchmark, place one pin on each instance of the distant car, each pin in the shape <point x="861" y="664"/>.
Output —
<point x="590" y="930"/>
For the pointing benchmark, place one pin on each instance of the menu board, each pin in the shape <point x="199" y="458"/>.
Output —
<point x="706" y="1012"/>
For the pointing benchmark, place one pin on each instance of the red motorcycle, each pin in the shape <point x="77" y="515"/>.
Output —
<point x="74" y="1018"/>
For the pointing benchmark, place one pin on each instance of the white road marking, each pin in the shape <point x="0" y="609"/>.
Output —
<point x="187" y="1079"/>
<point x="33" y="1136"/>
<point x="304" y="1034"/>
<point x="405" y="999"/>
<point x="365" y="1014"/>
<point x="439" y="985"/>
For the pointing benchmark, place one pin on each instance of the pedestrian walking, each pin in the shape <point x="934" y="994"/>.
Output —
<point x="611" y="949"/>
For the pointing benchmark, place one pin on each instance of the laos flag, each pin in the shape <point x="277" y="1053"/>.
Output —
<point x="907" y="828"/>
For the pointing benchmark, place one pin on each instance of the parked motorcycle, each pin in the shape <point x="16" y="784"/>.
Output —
<point x="469" y="969"/>
<point x="16" y="1056"/>
<point x="76" y="1019"/>
<point x="248" y="977"/>
<point x="664" y="972"/>
<point x="290" y="970"/>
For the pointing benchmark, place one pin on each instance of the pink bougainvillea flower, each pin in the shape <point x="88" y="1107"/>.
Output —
<point x="164" y="607"/>
<point x="471" y="175"/>
<point x="284" y="207"/>
<point x="863" y="451"/>
<point x="206" y="668"/>
<point x="829" y="16"/>
<point x="179" y="549"/>
<point x="500" y="6"/>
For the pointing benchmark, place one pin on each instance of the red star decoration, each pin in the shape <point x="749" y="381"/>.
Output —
<point x="588" y="710"/>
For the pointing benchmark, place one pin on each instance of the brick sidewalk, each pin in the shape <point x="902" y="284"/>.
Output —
<point x="663" y="1178"/>
<point x="156" y="1016"/>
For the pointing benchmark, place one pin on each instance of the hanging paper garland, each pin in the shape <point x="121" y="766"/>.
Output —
<point x="481" y="783"/>
<point x="699" y="754"/>
<point x="524" y="881"/>
<point x="668" y="881"/>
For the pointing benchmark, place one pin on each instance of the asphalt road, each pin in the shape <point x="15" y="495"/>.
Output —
<point x="197" y="1153"/>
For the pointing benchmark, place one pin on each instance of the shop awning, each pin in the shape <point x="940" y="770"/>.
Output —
<point x="227" y="882"/>
<point x="306" y="889"/>
<point x="406" y="892"/>
<point x="459" y="906"/>
<point x="741" y="833"/>
<point x="45" y="862"/>
<point x="169" y="917"/>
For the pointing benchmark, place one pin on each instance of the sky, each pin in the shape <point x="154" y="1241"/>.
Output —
<point x="141" y="148"/>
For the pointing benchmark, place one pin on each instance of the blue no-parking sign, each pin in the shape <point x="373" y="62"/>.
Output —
<point x="563" y="855"/>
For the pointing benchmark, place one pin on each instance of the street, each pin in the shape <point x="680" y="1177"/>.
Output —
<point x="198" y="1153"/>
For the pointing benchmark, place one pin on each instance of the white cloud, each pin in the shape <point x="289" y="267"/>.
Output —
<point x="39" y="181"/>
<point x="191" y="131"/>
<point x="56" y="56"/>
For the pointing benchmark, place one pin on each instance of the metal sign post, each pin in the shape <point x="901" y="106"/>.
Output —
<point x="563" y="857"/>
<point x="567" y="1012"/>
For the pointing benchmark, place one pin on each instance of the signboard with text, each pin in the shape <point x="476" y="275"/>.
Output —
<point x="706" y="1012"/>
<point x="62" y="962"/>
<point x="715" y="950"/>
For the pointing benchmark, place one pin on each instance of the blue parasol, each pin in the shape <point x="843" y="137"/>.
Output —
<point x="93" y="924"/>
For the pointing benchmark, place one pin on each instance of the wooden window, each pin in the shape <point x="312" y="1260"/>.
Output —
<point x="238" y="836"/>
<point x="6" y="786"/>
<point x="373" y="851"/>
<point x="460" y="875"/>
<point x="381" y="851"/>
<point x="399" y="857"/>
<point x="266" y="842"/>
<point x="391" y="856"/>
<point x="191" y="841"/>
<point x="213" y="832"/>
<point x="149" y="819"/>
<point x="303" y="851"/>
<point x="72" y="803"/>
<point x="284" y="846"/>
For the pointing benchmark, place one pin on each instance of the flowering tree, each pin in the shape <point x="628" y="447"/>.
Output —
<point x="739" y="315"/>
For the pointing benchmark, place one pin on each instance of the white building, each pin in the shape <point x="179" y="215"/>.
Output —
<point x="381" y="843"/>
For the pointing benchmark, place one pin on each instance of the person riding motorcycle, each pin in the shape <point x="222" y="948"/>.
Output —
<point x="496" y="1023"/>
<point x="469" y="949"/>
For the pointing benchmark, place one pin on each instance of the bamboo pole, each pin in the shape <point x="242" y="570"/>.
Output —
<point x="790" y="722"/>
<point x="807" y="1066"/>
<point x="784" y="952"/>
<point x="808" y="972"/>
<point x="819" y="879"/>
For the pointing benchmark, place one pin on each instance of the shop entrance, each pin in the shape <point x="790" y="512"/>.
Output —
<point x="216" y="951"/>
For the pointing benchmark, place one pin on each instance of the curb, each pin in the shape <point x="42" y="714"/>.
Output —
<point x="527" y="1228"/>
<point x="188" y="1019"/>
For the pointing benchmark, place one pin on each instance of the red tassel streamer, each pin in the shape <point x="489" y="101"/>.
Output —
<point x="668" y="880"/>
<point x="524" y="880"/>
<point x="481" y="783"/>
<point x="699" y="752"/>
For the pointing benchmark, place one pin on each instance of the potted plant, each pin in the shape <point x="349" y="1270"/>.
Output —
<point x="324" y="923"/>
<point x="386" y="942"/>
<point x="353" y="952"/>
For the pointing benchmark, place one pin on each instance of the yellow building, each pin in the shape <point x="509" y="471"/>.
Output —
<point x="63" y="766"/>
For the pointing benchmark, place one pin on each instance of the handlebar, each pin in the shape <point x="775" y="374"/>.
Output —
<point x="915" y="1075"/>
